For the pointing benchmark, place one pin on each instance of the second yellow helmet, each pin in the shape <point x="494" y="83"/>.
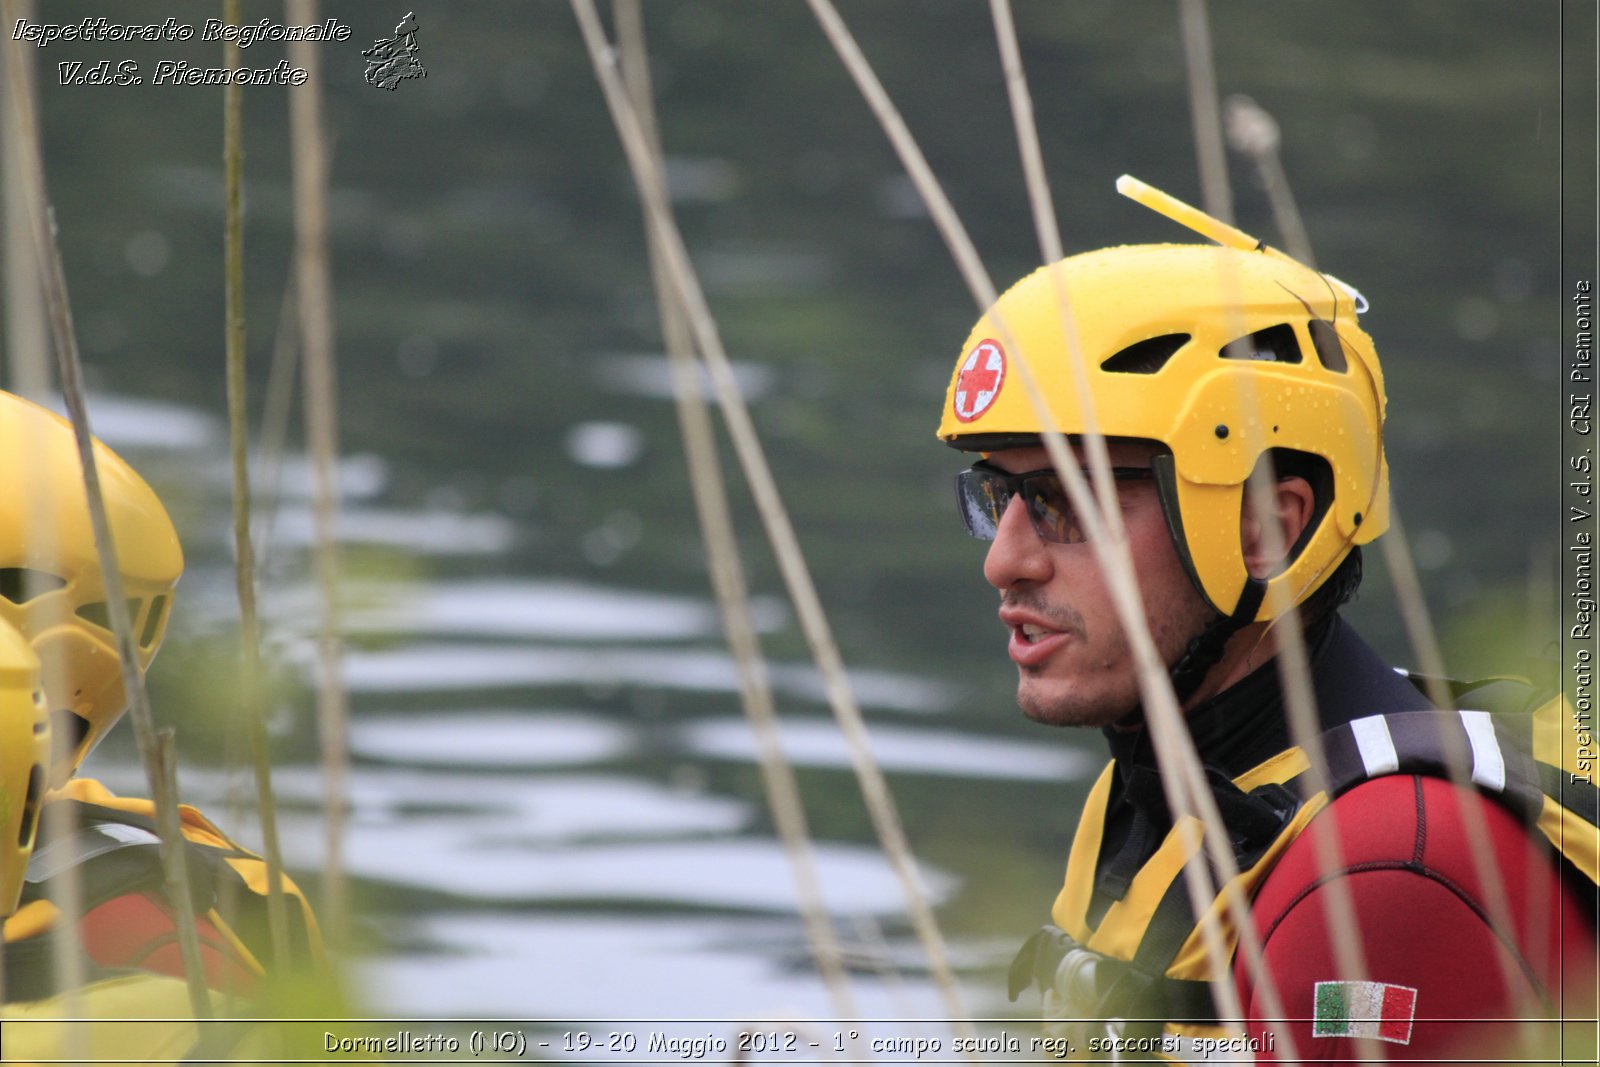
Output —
<point x="24" y="757"/>
<point x="52" y="589"/>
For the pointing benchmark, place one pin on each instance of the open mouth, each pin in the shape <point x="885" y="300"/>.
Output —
<point x="1030" y="633"/>
<point x="1032" y="644"/>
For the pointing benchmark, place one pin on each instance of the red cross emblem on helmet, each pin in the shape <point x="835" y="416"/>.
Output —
<point x="979" y="380"/>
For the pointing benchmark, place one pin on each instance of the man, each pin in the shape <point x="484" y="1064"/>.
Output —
<point x="1206" y="365"/>
<point x="52" y="593"/>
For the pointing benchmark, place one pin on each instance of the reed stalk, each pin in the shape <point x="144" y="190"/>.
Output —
<point x="722" y="550"/>
<point x="250" y="690"/>
<point x="275" y="412"/>
<point x="314" y="287"/>
<point x="1185" y="786"/>
<point x="1293" y="661"/>
<point x="1254" y="132"/>
<point x="27" y="333"/>
<point x="27" y="346"/>
<point x="780" y="531"/>
<point x="1458" y="756"/>
<point x="1204" y="113"/>
<point x="163" y="780"/>
<point x="1051" y="249"/>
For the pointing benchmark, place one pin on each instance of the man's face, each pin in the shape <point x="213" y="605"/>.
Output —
<point x="1075" y="666"/>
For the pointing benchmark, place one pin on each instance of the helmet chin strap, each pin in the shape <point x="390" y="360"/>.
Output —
<point x="1205" y="649"/>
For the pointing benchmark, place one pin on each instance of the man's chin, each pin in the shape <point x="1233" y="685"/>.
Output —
<point x="1063" y="706"/>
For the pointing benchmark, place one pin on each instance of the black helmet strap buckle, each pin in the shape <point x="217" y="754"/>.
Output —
<point x="1205" y="648"/>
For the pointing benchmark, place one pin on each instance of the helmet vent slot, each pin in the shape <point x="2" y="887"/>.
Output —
<point x="1329" y="348"/>
<point x="68" y="731"/>
<point x="30" y="807"/>
<point x="99" y="612"/>
<point x="1275" y="344"/>
<point x="152" y="623"/>
<point x="1147" y="356"/>
<point x="21" y="584"/>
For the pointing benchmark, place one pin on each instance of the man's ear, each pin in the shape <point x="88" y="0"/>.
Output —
<point x="1293" y="503"/>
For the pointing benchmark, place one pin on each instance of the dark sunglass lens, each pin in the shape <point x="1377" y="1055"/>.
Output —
<point x="1051" y="512"/>
<point x="981" y="498"/>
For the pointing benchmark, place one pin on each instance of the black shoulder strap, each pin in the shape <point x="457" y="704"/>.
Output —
<point x="114" y="853"/>
<point x="1483" y="746"/>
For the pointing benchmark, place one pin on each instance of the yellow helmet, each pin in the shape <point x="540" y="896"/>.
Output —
<point x="24" y="759"/>
<point x="51" y="585"/>
<point x="1218" y="353"/>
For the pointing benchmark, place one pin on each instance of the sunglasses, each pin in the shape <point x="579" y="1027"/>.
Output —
<point x="983" y="493"/>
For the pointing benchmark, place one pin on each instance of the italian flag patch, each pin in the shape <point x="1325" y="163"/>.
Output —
<point x="1364" y="1009"/>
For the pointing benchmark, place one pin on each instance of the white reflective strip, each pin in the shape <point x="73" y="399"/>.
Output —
<point x="128" y="835"/>
<point x="1375" y="745"/>
<point x="1488" y="764"/>
<point x="97" y="839"/>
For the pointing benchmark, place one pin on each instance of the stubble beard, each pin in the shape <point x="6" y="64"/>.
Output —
<point x="1048" y="695"/>
<point x="1056" y="702"/>
<point x="1101" y="686"/>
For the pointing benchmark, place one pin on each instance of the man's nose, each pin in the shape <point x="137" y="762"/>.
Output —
<point x="1017" y="553"/>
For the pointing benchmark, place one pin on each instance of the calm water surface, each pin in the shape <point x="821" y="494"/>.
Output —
<point x="555" y="812"/>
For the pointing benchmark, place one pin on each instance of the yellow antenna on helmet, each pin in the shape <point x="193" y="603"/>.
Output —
<point x="1214" y="228"/>
<point x="1187" y="215"/>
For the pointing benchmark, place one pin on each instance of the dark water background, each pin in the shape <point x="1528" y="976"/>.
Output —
<point x="556" y="810"/>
